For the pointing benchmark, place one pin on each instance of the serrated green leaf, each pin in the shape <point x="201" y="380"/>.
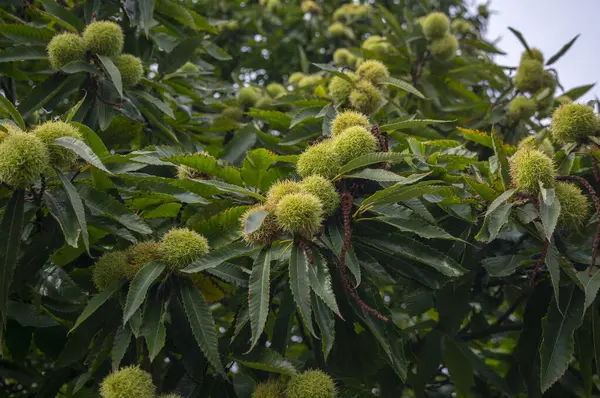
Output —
<point x="520" y="37"/>
<point x="399" y="192"/>
<point x="7" y="106"/>
<point x="500" y="266"/>
<point x="372" y="158"/>
<point x="562" y="51"/>
<point x="411" y="123"/>
<point x="256" y="170"/>
<point x="382" y="175"/>
<point x="164" y="107"/>
<point x="100" y="203"/>
<point x="402" y="85"/>
<point x="120" y="345"/>
<point x="81" y="149"/>
<point x="215" y="51"/>
<point x="553" y="264"/>
<point x="62" y="211"/>
<point x="459" y="367"/>
<point x="234" y="189"/>
<point x="326" y="322"/>
<point x="139" y="287"/>
<point x="258" y="294"/>
<point x="333" y="70"/>
<point x="559" y="325"/>
<point x="276" y="119"/>
<point x="418" y="227"/>
<point x="77" y="205"/>
<point x="219" y="256"/>
<point x="202" y="324"/>
<point x="300" y="284"/>
<point x="578" y="92"/>
<point x="549" y="210"/>
<point x="22" y="53"/>
<point x="419" y="252"/>
<point x="320" y="282"/>
<point x="268" y="361"/>
<point x="254" y="221"/>
<point x="222" y="228"/>
<point x="113" y="72"/>
<point x="305" y="114"/>
<point x="96" y="302"/>
<point x="25" y="34"/>
<point x="29" y="315"/>
<point x="153" y="328"/>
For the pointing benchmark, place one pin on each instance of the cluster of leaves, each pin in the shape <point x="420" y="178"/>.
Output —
<point x="439" y="273"/>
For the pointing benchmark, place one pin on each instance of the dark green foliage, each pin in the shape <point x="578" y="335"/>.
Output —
<point x="183" y="212"/>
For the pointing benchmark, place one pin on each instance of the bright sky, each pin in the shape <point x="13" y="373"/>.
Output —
<point x="548" y="25"/>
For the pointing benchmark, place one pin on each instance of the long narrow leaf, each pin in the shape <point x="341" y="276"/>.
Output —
<point x="202" y="324"/>
<point x="139" y="287"/>
<point x="258" y="294"/>
<point x="10" y="241"/>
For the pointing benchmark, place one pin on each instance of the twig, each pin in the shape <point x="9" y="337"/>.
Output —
<point x="346" y="205"/>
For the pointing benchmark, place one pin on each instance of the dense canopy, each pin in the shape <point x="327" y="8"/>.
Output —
<point x="285" y="198"/>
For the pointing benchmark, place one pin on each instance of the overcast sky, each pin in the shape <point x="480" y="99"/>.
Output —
<point x="548" y="25"/>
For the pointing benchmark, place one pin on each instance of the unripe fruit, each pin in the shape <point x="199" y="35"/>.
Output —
<point x="264" y="103"/>
<point x="127" y="382"/>
<point x="573" y="122"/>
<point x="529" y="77"/>
<point x="534" y="54"/>
<point x="9" y="129"/>
<point x="310" y="81"/>
<point x="529" y="167"/>
<point x="299" y="213"/>
<point x="377" y="44"/>
<point x="103" y="38"/>
<point x="279" y="190"/>
<point x="207" y="286"/>
<point x="521" y="108"/>
<point x="347" y="119"/>
<point x="61" y="158"/>
<point x="188" y="67"/>
<point x="319" y="159"/>
<point x="366" y="98"/>
<point x="270" y="389"/>
<point x="65" y="48"/>
<point x="339" y="30"/>
<point x="574" y="205"/>
<point x="311" y="384"/>
<point x="131" y="69"/>
<point x="110" y="268"/>
<point x="351" y="11"/>
<point x="435" y="25"/>
<point x="140" y="255"/>
<point x="445" y="48"/>
<point x="373" y="71"/>
<point x="295" y="77"/>
<point x="181" y="246"/>
<point x="544" y="146"/>
<point x="248" y="96"/>
<point x="233" y="113"/>
<point x="311" y="7"/>
<point x="340" y="89"/>
<point x="354" y="142"/>
<point x="343" y="56"/>
<point x="276" y="90"/>
<point x="23" y="158"/>
<point x="461" y="26"/>
<point x="324" y="191"/>
<point x="266" y="233"/>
